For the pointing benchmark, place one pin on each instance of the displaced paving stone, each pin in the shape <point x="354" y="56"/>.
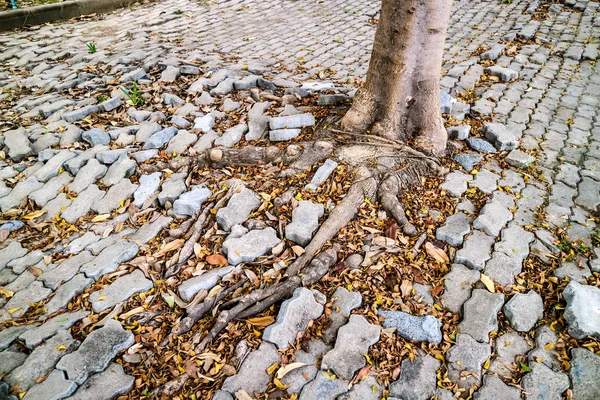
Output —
<point x="96" y="351"/>
<point x="583" y="303"/>
<point x="124" y="167"/>
<point x="458" y="286"/>
<point x="9" y="334"/>
<point x="503" y="268"/>
<point x="305" y="220"/>
<point x="252" y="375"/>
<point x="481" y="145"/>
<point x="160" y="138"/>
<point x="493" y="53"/>
<point x="110" y="104"/>
<point x="35" y="336"/>
<point x="42" y="360"/>
<point x="321" y="175"/>
<point x="75" y="164"/>
<point x="96" y="136"/>
<point x="481" y="314"/>
<point x="505" y="74"/>
<point x="204" y="123"/>
<point x="507" y="348"/>
<point x="366" y="389"/>
<point x="206" y="141"/>
<point x="82" y="204"/>
<point x="206" y="281"/>
<point x="292" y="121"/>
<point x="250" y="246"/>
<point x="80" y="113"/>
<point x="231" y="136"/>
<point x="222" y="395"/>
<point x="172" y="188"/>
<point x="494" y="388"/>
<point x="515" y="242"/>
<point x="257" y="121"/>
<point x="524" y="310"/>
<point x="42" y="196"/>
<point x="120" y="290"/>
<point x="238" y="209"/>
<point x="150" y="230"/>
<point x="543" y="383"/>
<point x="344" y="302"/>
<point x="283" y="135"/>
<point x="21" y="301"/>
<point x="467" y="355"/>
<point x="455" y="229"/>
<point x="456" y="183"/>
<point x="18" y="145"/>
<point x="293" y="318"/>
<point x="295" y="380"/>
<point x="9" y="360"/>
<point x="66" y="292"/>
<point x="105" y="385"/>
<point x="109" y="259"/>
<point x="110" y="156"/>
<point x="149" y="184"/>
<point x="415" y="328"/>
<point x="418" y="379"/>
<point x="180" y="142"/>
<point x="52" y="166"/>
<point x="55" y="386"/>
<point x="460" y="132"/>
<point x="64" y="271"/>
<point x="353" y="341"/>
<point x="476" y="250"/>
<point x="519" y="159"/>
<point x="190" y="203"/>
<point x="584" y="372"/>
<point x="145" y="155"/>
<point x="492" y="218"/>
<point x="576" y="271"/>
<point x="19" y="192"/>
<point x="323" y="387"/>
<point x="500" y="137"/>
<point x="486" y="181"/>
<point x="115" y="197"/>
<point x="134" y="75"/>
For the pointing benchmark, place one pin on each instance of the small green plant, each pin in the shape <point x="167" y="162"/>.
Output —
<point x="101" y="98"/>
<point x="134" y="96"/>
<point x="91" y="47"/>
<point x="178" y="12"/>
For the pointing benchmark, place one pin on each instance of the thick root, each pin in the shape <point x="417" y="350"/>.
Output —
<point x="388" y="196"/>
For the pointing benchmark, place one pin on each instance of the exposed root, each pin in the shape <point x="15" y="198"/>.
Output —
<point x="388" y="196"/>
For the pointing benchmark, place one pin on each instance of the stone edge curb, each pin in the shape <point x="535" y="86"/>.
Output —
<point x="61" y="11"/>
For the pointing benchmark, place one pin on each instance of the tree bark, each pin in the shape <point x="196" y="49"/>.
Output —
<point x="401" y="97"/>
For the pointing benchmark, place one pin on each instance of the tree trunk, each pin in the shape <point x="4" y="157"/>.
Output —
<point x="401" y="97"/>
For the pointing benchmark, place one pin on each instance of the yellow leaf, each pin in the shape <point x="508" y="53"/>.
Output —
<point x="261" y="321"/>
<point x="488" y="282"/>
<point x="6" y="292"/>
<point x="328" y="376"/>
<point x="549" y="346"/>
<point x="174" y="245"/>
<point x="61" y="347"/>
<point x="279" y="385"/>
<point x="13" y="310"/>
<point x="101" y="217"/>
<point x="35" y="214"/>
<point x="283" y="371"/>
<point x="101" y="298"/>
<point x="486" y="365"/>
<point x="272" y="368"/>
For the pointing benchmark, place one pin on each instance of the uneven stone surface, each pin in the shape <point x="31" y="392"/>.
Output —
<point x="323" y="387"/>
<point x="238" y="209"/>
<point x="455" y="229"/>
<point x="120" y="290"/>
<point x="467" y="355"/>
<point x="295" y="380"/>
<point x="252" y="376"/>
<point x="107" y="384"/>
<point x="544" y="383"/>
<point x="249" y="247"/>
<point x="418" y="378"/>
<point x="583" y="303"/>
<point x="293" y="318"/>
<point x="206" y="281"/>
<point x="190" y="202"/>
<point x="35" y="336"/>
<point x="476" y="250"/>
<point x="109" y="259"/>
<point x="480" y="314"/>
<point x="415" y="328"/>
<point x="322" y="174"/>
<point x="584" y="372"/>
<point x="305" y="220"/>
<point x="458" y="286"/>
<point x="494" y="388"/>
<point x="524" y="310"/>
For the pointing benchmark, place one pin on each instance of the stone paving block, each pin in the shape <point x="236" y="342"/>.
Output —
<point x="252" y="375"/>
<point x="77" y="245"/>
<point x="96" y="351"/>
<point x="344" y="302"/>
<point x="468" y="161"/>
<point x="293" y="318"/>
<point x="545" y="351"/>
<point x="476" y="250"/>
<point x="120" y="290"/>
<point x="231" y="136"/>
<point x="54" y="387"/>
<point x="75" y="164"/>
<point x="10" y="252"/>
<point x="366" y="389"/>
<point x="481" y="314"/>
<point x="124" y="167"/>
<point x="189" y="203"/>
<point x="56" y="206"/>
<point x="19" y="192"/>
<point x="42" y="360"/>
<point x="515" y="242"/>
<point x="90" y="173"/>
<point x="503" y="268"/>
<point x="150" y="230"/>
<point x="238" y="209"/>
<point x="148" y="185"/>
<point x="458" y="286"/>
<point x="505" y="74"/>
<point x="485" y="181"/>
<point x="501" y="138"/>
<point x="583" y="301"/>
<point x="18" y="144"/>
<point x="589" y="194"/>
<point x="305" y="220"/>
<point x="584" y="372"/>
<point x="19" y="265"/>
<point x="456" y="183"/>
<point x="208" y="280"/>
<point x="21" y="301"/>
<point x="544" y="383"/>
<point x="8" y="335"/>
<point x="52" y="166"/>
<point x="416" y="328"/>
<point x="494" y="388"/>
<point x="576" y="271"/>
<point x="323" y="387"/>
<point x="418" y="379"/>
<point x="49" y="191"/>
<point x="507" y="348"/>
<point x="354" y="340"/>
<point x="66" y="292"/>
<point x="10" y="359"/>
<point x="481" y="145"/>
<point x="115" y="197"/>
<point x="64" y="271"/>
<point x="455" y="229"/>
<point x="524" y="310"/>
<point x="105" y="385"/>
<point x="35" y="336"/>
<point x="321" y="175"/>
<point x="82" y="204"/>
<point x="172" y="188"/>
<point x="250" y="246"/>
<point x="96" y="136"/>
<point x="492" y="218"/>
<point x="295" y="380"/>
<point x="467" y="355"/>
<point x="109" y="259"/>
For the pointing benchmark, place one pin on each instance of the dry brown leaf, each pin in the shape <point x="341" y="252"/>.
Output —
<point x="173" y="245"/>
<point x="216" y="259"/>
<point x="101" y="217"/>
<point x="488" y="282"/>
<point x="406" y="287"/>
<point x="436" y="253"/>
<point x="283" y="371"/>
<point x="261" y="321"/>
<point x="242" y="395"/>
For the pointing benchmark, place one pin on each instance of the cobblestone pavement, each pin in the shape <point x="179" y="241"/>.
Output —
<point x="85" y="194"/>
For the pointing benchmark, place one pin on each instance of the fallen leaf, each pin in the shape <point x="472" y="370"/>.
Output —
<point x="436" y="253"/>
<point x="488" y="282"/>
<point x="261" y="321"/>
<point x="242" y="395"/>
<point x="389" y="332"/>
<point x="35" y="214"/>
<point x="13" y="310"/>
<point x="173" y="245"/>
<point x="406" y="287"/>
<point x="216" y="259"/>
<point x="61" y="347"/>
<point x="6" y="292"/>
<point x="101" y="217"/>
<point x="170" y="300"/>
<point x="283" y="371"/>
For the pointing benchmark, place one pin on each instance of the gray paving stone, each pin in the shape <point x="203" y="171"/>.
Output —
<point x="115" y="197"/>
<point x="418" y="379"/>
<point x="18" y="145"/>
<point x="64" y="271"/>
<point x="204" y="123"/>
<point x="19" y="265"/>
<point x="456" y="183"/>
<point x="584" y="372"/>
<point x="66" y="292"/>
<point x="485" y="181"/>
<point x="476" y="250"/>
<point x="238" y="209"/>
<point x="481" y="145"/>
<point x="589" y="194"/>
<point x="208" y="280"/>
<point x="8" y="335"/>
<point x="467" y="161"/>
<point x="481" y="314"/>
<point x="124" y="167"/>
<point x="180" y="142"/>
<point x="354" y="340"/>
<point x="544" y="383"/>
<point x="42" y="196"/>
<point x="150" y="230"/>
<point x="583" y="302"/>
<point x="465" y="360"/>
<point x="455" y="229"/>
<point x="222" y="395"/>
<point x="305" y="220"/>
<point x="252" y="375"/>
<point x="75" y="164"/>
<point x="416" y="328"/>
<point x="10" y="359"/>
<point x="295" y="380"/>
<point x="503" y="268"/>
<point x="250" y="246"/>
<point x="120" y="290"/>
<point x="109" y="259"/>
<point x="515" y="242"/>
<point x="172" y="188"/>
<point x="505" y="74"/>
<point x="56" y="206"/>
<point x="105" y="385"/>
<point x="524" y="310"/>
<point x="500" y="137"/>
<point x="110" y="156"/>
<point x="344" y="302"/>
<point x="160" y="138"/>
<point x="292" y="121"/>
<point x="19" y="192"/>
<point x="82" y="204"/>
<point x="322" y="174"/>
<point x="458" y="286"/>
<point x="189" y="203"/>
<point x="21" y="301"/>
<point x="77" y="245"/>
<point x="52" y="166"/>
<point x="148" y="185"/>
<point x="257" y="122"/>
<point x="323" y="387"/>
<point x="206" y="141"/>
<point x="42" y="360"/>
<point x="54" y="387"/>
<point x="576" y="271"/>
<point x="507" y="348"/>
<point x="96" y="351"/>
<point x="494" y="388"/>
<point x="492" y="218"/>
<point x="366" y="389"/>
<point x="96" y="136"/>
<point x="35" y="336"/>
<point x="460" y="132"/>
<point x="231" y="136"/>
